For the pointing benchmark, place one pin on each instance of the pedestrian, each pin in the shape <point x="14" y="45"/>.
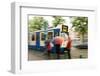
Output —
<point x="68" y="46"/>
<point x="57" y="43"/>
<point x="49" y="48"/>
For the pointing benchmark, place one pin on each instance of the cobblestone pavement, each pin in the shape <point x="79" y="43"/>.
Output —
<point x="75" y="54"/>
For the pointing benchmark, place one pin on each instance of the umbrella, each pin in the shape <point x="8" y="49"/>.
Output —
<point x="58" y="40"/>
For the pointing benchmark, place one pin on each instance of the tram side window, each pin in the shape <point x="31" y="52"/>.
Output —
<point x="50" y="35"/>
<point x="42" y="36"/>
<point x="33" y="37"/>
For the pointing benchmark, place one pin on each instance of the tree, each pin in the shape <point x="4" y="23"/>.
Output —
<point x="80" y="25"/>
<point x="37" y="23"/>
<point x="57" y="20"/>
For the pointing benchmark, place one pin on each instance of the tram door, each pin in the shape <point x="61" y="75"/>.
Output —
<point x="38" y="40"/>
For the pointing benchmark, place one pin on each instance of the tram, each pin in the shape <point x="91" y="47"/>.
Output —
<point x="36" y="39"/>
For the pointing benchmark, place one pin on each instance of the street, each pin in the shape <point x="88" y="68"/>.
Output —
<point x="75" y="54"/>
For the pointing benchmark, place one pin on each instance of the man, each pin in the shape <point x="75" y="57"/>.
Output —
<point x="57" y="43"/>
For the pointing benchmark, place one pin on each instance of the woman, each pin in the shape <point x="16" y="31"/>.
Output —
<point x="68" y="46"/>
<point x="49" y="47"/>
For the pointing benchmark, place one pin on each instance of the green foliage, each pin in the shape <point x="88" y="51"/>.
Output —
<point x="80" y="24"/>
<point x="57" y="20"/>
<point x="37" y="23"/>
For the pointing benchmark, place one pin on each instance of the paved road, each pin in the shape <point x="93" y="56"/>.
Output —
<point x="75" y="54"/>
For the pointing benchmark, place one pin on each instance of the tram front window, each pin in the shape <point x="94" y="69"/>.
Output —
<point x="64" y="35"/>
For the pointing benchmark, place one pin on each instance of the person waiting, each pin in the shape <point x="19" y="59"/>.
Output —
<point x="68" y="46"/>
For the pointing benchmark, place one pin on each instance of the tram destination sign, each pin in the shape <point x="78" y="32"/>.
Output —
<point x="64" y="28"/>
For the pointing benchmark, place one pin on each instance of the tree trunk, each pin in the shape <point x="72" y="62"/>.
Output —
<point x="82" y="38"/>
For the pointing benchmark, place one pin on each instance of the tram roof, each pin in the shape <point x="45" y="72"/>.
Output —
<point x="58" y="27"/>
